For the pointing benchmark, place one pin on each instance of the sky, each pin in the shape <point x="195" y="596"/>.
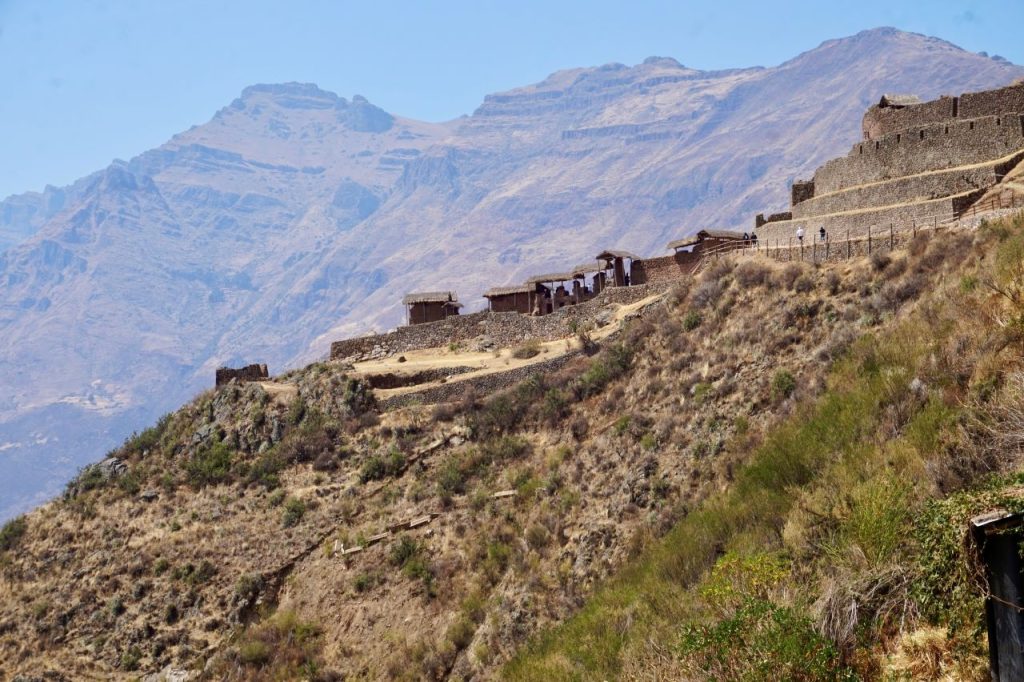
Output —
<point x="86" y="81"/>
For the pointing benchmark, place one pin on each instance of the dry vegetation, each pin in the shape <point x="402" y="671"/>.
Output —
<point x="755" y="432"/>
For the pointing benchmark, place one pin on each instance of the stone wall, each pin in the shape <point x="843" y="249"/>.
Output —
<point x="801" y="191"/>
<point x="503" y="329"/>
<point x="247" y="373"/>
<point x="992" y="102"/>
<point x="857" y="223"/>
<point x="881" y="121"/>
<point x="665" y="269"/>
<point x="907" y="189"/>
<point x="481" y="385"/>
<point x="918" y="150"/>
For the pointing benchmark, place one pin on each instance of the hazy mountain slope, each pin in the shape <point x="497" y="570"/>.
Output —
<point x="295" y="216"/>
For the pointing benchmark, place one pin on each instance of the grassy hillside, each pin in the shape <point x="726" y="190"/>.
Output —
<point x="838" y="551"/>
<point x="761" y="472"/>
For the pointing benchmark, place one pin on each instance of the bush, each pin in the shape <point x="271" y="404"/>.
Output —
<point x="783" y="384"/>
<point x="692" y="320"/>
<point x="707" y="294"/>
<point x="281" y="648"/>
<point x="294" y="510"/>
<point x="751" y="273"/>
<point x="378" y="467"/>
<point x="264" y="471"/>
<point x="130" y="658"/>
<point x="12" y="533"/>
<point x="761" y="641"/>
<point x="527" y="349"/>
<point x="880" y="261"/>
<point x="210" y="465"/>
<point x="788" y="275"/>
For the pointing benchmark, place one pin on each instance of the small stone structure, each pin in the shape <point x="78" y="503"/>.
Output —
<point x="243" y="374"/>
<point x="430" y="306"/>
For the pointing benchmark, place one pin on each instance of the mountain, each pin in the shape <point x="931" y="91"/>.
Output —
<point x="295" y="216"/>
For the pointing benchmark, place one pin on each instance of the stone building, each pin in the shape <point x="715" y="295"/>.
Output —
<point x="430" y="306"/>
<point x="243" y="374"/>
<point x="919" y="163"/>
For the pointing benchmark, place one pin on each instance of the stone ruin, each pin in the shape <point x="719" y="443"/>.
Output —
<point x="920" y="163"/>
<point x="242" y="374"/>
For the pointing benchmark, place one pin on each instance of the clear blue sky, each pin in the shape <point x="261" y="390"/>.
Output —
<point x="83" y="82"/>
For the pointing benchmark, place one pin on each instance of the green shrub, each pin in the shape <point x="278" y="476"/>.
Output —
<point x="364" y="582"/>
<point x="266" y="469"/>
<point x="130" y="658"/>
<point x="296" y="411"/>
<point x="294" y="510"/>
<point x="12" y="533"/>
<point x="783" y="384"/>
<point x="210" y="465"/>
<point x="761" y="641"/>
<point x="254" y="653"/>
<point x="691" y="320"/>
<point x="377" y="467"/>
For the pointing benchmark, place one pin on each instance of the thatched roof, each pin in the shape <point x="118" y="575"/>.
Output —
<point x="593" y="266"/>
<point x="551" y="277"/>
<point x="684" y="242"/>
<point x="508" y="291"/>
<point x="891" y="100"/>
<point x="430" y="297"/>
<point x="613" y="253"/>
<point x="720" y="234"/>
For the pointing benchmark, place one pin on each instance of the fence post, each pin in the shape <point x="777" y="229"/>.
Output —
<point x="890" y="236"/>
<point x="869" y="240"/>
<point x="828" y="240"/>
<point x="848" y="245"/>
<point x="814" y="253"/>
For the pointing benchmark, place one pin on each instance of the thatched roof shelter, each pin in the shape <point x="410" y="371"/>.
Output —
<point x="431" y="297"/>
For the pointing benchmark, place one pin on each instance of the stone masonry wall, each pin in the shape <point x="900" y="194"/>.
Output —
<point x="904" y="190"/>
<point x="481" y="385"/>
<point x="857" y="223"/>
<point x="504" y="329"/>
<point x="918" y="150"/>
<point x="992" y="102"/>
<point x="247" y="373"/>
<point x="664" y="269"/>
<point x="880" y="121"/>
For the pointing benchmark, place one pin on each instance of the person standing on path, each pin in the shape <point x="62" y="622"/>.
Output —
<point x="800" y="234"/>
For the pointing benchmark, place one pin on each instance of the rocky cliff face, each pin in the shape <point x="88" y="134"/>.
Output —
<point x="296" y="216"/>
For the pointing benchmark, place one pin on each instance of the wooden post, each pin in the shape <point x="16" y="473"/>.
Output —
<point x="828" y="242"/>
<point x="869" y="240"/>
<point x="814" y="253"/>
<point x="848" y="245"/>
<point x="890" y="236"/>
<point x="914" y="227"/>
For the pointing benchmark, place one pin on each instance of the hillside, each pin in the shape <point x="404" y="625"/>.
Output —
<point x="295" y="216"/>
<point x="773" y="421"/>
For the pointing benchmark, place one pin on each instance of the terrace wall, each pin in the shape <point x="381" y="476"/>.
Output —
<point x="919" y="150"/>
<point x="908" y="189"/>
<point x="857" y="223"/>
